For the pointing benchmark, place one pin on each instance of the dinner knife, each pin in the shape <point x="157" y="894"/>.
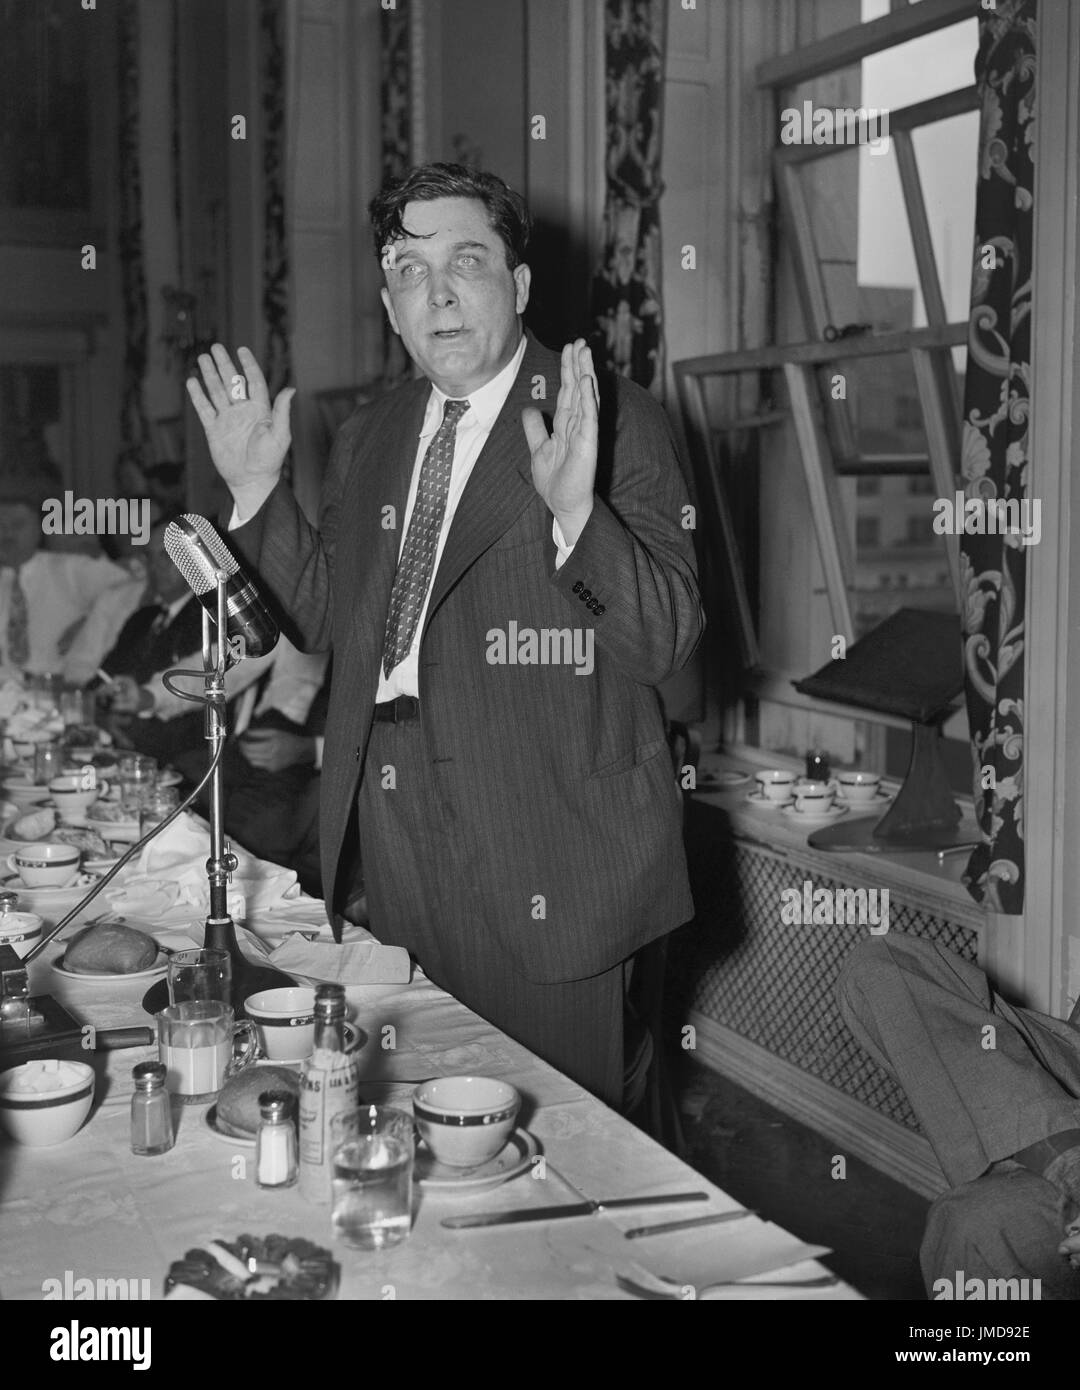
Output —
<point x="559" y="1213"/>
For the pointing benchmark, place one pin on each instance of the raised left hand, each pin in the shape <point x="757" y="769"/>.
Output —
<point x="564" y="462"/>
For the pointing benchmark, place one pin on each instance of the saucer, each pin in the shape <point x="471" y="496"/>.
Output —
<point x="225" y="1131"/>
<point x="834" y="812"/>
<point x="876" y="800"/>
<point x="761" y="802"/>
<point x="517" y="1155"/>
<point x="722" y="781"/>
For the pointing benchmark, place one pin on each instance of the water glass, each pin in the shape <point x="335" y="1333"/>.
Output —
<point x="372" y="1172"/>
<point x="137" y="776"/>
<point x="77" y="708"/>
<point x="48" y="763"/>
<point x="158" y="804"/>
<point x="201" y="974"/>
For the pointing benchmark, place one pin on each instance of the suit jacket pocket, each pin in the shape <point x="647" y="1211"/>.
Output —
<point x="628" y="761"/>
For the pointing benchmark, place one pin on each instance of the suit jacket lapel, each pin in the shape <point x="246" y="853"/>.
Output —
<point x="500" y="485"/>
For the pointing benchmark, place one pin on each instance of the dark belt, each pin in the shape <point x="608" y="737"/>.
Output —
<point x="398" y="711"/>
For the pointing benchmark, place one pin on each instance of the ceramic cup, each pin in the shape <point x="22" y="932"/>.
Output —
<point x="858" y="787"/>
<point x="49" y="864"/>
<point x="813" y="797"/>
<point x="75" y="792"/>
<point x="775" y="784"/>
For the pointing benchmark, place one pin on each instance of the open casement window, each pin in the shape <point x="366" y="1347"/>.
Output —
<point x="818" y="461"/>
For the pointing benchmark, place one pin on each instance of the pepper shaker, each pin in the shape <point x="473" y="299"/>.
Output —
<point x="151" y="1113"/>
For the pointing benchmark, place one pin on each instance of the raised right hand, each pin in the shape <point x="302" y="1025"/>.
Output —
<point x="248" y="439"/>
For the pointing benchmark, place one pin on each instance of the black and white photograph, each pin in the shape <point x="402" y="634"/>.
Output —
<point x="537" y="655"/>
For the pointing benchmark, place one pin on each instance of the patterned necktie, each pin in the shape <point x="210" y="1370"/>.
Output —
<point x="417" y="563"/>
<point x="18" y="625"/>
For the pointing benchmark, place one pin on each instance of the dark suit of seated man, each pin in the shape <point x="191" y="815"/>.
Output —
<point x="269" y="778"/>
<point x="996" y="1091"/>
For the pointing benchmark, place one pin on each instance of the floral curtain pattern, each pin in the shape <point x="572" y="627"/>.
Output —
<point x="275" y="267"/>
<point x="134" y="429"/>
<point x="626" y="309"/>
<point x="395" y="69"/>
<point x="994" y="463"/>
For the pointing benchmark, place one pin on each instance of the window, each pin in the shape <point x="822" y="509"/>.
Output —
<point x="872" y="289"/>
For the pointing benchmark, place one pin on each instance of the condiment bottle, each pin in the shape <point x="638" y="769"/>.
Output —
<point x="151" y="1113"/>
<point x="275" y="1143"/>
<point x="329" y="1084"/>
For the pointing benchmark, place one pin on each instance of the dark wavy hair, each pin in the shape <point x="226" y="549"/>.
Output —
<point x="507" y="211"/>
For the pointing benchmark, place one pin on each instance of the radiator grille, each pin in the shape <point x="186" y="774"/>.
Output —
<point x="774" y="983"/>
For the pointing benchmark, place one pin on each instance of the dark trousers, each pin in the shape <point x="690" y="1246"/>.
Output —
<point x="417" y="897"/>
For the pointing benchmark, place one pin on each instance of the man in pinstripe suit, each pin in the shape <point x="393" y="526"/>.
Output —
<point x="502" y="603"/>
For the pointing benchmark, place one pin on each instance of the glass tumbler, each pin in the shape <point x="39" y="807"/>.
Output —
<point x="372" y="1170"/>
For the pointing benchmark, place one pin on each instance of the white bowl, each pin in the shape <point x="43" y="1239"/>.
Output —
<point x="46" y="1117"/>
<point x="24" y="793"/>
<point x="465" y="1120"/>
<point x="284" y="1022"/>
<point x="20" y="930"/>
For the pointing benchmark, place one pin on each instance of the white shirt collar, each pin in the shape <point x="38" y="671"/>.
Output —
<point x="485" y="402"/>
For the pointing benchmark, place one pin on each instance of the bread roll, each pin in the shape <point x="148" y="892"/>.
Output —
<point x="36" y="825"/>
<point x="238" y="1103"/>
<point x="110" y="949"/>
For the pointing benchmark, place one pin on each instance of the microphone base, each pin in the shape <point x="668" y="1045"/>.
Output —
<point x="248" y="978"/>
<point x="245" y="983"/>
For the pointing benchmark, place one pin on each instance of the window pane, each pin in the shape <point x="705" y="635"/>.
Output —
<point x="899" y="561"/>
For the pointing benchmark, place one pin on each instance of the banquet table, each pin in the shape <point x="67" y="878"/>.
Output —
<point x="90" y="1209"/>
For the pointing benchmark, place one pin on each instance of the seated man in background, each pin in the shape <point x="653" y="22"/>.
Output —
<point x="46" y="596"/>
<point x="268" y="766"/>
<point x="996" y="1091"/>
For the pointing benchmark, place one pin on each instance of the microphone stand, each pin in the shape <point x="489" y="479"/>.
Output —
<point x="220" y="934"/>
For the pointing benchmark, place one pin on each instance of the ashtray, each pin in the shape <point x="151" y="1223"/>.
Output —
<point x="255" y="1268"/>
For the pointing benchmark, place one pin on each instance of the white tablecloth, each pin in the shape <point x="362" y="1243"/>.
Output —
<point x="90" y="1209"/>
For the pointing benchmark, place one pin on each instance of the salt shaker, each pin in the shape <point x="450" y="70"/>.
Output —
<point x="275" y="1144"/>
<point x="151" y="1115"/>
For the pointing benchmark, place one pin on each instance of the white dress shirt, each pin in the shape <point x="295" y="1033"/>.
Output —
<point x="60" y="588"/>
<point x="470" y="437"/>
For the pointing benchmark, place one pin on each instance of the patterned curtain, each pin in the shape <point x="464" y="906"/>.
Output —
<point x="275" y="271"/>
<point x="993" y="568"/>
<point x="395" y="68"/>
<point x="134" y="429"/>
<point x="628" y="337"/>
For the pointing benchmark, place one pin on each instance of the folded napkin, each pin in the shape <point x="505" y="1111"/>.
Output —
<point x="351" y="963"/>
<point x="169" y="878"/>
